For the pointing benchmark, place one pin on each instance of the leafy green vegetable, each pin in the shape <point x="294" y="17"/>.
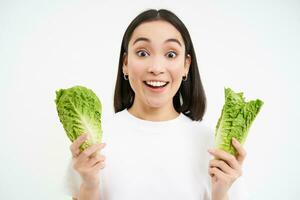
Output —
<point x="79" y="110"/>
<point x="235" y="120"/>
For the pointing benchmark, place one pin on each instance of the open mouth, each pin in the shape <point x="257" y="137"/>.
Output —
<point x="156" y="84"/>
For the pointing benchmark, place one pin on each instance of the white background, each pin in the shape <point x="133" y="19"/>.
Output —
<point x="250" y="46"/>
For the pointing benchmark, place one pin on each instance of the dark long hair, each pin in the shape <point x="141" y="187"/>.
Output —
<point x="190" y="99"/>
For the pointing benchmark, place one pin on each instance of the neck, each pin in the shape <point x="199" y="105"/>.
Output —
<point x="163" y="113"/>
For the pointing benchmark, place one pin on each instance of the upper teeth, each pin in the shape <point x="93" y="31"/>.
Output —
<point x="156" y="83"/>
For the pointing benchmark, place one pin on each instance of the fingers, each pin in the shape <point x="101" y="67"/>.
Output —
<point x="76" y="144"/>
<point x="226" y="166"/>
<point x="90" y="161"/>
<point x="241" y="152"/>
<point x="223" y="166"/>
<point x="217" y="173"/>
<point x="99" y="165"/>
<point x="90" y="151"/>
<point x="227" y="157"/>
<point x="96" y="159"/>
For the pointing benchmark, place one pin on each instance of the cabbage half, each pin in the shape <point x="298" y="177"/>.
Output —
<point x="79" y="110"/>
<point x="235" y="120"/>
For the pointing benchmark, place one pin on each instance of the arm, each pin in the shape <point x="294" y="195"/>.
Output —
<point x="226" y="197"/>
<point x="225" y="169"/>
<point x="89" y="192"/>
<point x="88" y="164"/>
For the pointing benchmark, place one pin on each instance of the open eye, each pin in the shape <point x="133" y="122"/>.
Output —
<point x="142" y="53"/>
<point x="171" y="54"/>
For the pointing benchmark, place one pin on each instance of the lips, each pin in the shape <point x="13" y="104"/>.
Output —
<point x="156" y="84"/>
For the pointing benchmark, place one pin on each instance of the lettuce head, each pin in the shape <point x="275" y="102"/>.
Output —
<point x="79" y="111"/>
<point x="236" y="118"/>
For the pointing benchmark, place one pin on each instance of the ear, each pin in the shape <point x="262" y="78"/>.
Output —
<point x="187" y="64"/>
<point x="125" y="60"/>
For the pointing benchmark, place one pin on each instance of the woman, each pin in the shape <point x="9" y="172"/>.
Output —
<point x="158" y="148"/>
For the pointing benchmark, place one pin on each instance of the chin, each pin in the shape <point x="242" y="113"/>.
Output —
<point x="156" y="103"/>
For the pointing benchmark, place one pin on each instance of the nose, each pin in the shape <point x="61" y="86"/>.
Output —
<point x="157" y="66"/>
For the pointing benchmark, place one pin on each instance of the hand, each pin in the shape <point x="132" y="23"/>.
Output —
<point x="225" y="169"/>
<point x="89" y="162"/>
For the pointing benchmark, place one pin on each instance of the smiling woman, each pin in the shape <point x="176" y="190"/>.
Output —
<point x="157" y="49"/>
<point x="155" y="64"/>
<point x="156" y="142"/>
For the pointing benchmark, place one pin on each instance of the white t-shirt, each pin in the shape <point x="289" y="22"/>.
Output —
<point x="147" y="160"/>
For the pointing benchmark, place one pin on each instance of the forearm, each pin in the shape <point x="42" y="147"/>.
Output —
<point x="218" y="198"/>
<point x="89" y="192"/>
<point x="226" y="197"/>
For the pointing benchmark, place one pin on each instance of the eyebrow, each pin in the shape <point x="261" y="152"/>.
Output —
<point x="148" y="40"/>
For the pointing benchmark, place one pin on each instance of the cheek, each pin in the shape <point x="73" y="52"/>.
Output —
<point x="176" y="72"/>
<point x="136" y="73"/>
<point x="136" y="69"/>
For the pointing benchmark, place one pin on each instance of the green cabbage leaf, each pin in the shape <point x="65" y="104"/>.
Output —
<point x="79" y="110"/>
<point x="236" y="118"/>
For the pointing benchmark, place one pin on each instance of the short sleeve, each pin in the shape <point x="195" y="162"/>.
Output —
<point x="72" y="181"/>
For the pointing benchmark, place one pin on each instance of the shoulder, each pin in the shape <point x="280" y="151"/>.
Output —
<point x="113" y="124"/>
<point x="113" y="119"/>
<point x="201" y="129"/>
<point x="201" y="126"/>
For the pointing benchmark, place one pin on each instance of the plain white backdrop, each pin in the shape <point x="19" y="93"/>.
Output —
<point x="250" y="46"/>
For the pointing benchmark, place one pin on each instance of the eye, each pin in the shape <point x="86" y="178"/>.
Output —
<point x="171" y="54"/>
<point x="142" y="53"/>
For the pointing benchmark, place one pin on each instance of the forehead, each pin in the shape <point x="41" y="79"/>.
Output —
<point x="156" y="31"/>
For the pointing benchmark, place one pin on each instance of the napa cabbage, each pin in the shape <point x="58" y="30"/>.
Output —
<point x="79" y="110"/>
<point x="236" y="118"/>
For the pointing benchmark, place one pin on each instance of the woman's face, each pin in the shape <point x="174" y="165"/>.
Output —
<point x="155" y="63"/>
